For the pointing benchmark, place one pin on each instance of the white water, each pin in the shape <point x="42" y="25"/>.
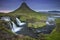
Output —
<point x="56" y="16"/>
<point x="19" y="22"/>
<point x="50" y="19"/>
<point x="14" y="28"/>
<point x="5" y="18"/>
<point x="49" y="23"/>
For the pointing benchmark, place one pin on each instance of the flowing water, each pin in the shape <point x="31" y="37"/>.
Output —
<point x="19" y="22"/>
<point x="15" y="28"/>
<point x="56" y="16"/>
<point x="5" y="18"/>
<point x="50" y="21"/>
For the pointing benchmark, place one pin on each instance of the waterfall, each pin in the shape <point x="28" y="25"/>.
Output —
<point x="14" y="28"/>
<point x="12" y="25"/>
<point x="19" y="22"/>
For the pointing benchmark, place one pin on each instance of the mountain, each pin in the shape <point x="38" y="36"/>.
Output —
<point x="54" y="11"/>
<point x="24" y="8"/>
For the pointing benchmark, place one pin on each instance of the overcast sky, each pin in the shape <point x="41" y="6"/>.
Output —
<point x="38" y="5"/>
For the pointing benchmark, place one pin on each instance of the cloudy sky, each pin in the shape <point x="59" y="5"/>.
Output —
<point x="38" y="5"/>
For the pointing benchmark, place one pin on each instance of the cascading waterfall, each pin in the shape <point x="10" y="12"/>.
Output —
<point x="15" y="28"/>
<point x="19" y="22"/>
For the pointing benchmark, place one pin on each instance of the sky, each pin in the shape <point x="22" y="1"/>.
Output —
<point x="37" y="5"/>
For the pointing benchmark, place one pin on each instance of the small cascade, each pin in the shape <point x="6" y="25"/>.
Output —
<point x="56" y="16"/>
<point x="5" y="18"/>
<point x="19" y="22"/>
<point x="14" y="28"/>
<point x="50" y="21"/>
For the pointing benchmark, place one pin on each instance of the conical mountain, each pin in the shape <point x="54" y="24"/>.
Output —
<point x="24" y="8"/>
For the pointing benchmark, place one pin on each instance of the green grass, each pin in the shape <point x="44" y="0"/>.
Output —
<point x="36" y="24"/>
<point x="53" y="36"/>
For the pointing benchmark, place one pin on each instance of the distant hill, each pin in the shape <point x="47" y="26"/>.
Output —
<point x="54" y="11"/>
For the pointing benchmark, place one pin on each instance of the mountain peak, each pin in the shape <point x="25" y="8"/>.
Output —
<point x="23" y="8"/>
